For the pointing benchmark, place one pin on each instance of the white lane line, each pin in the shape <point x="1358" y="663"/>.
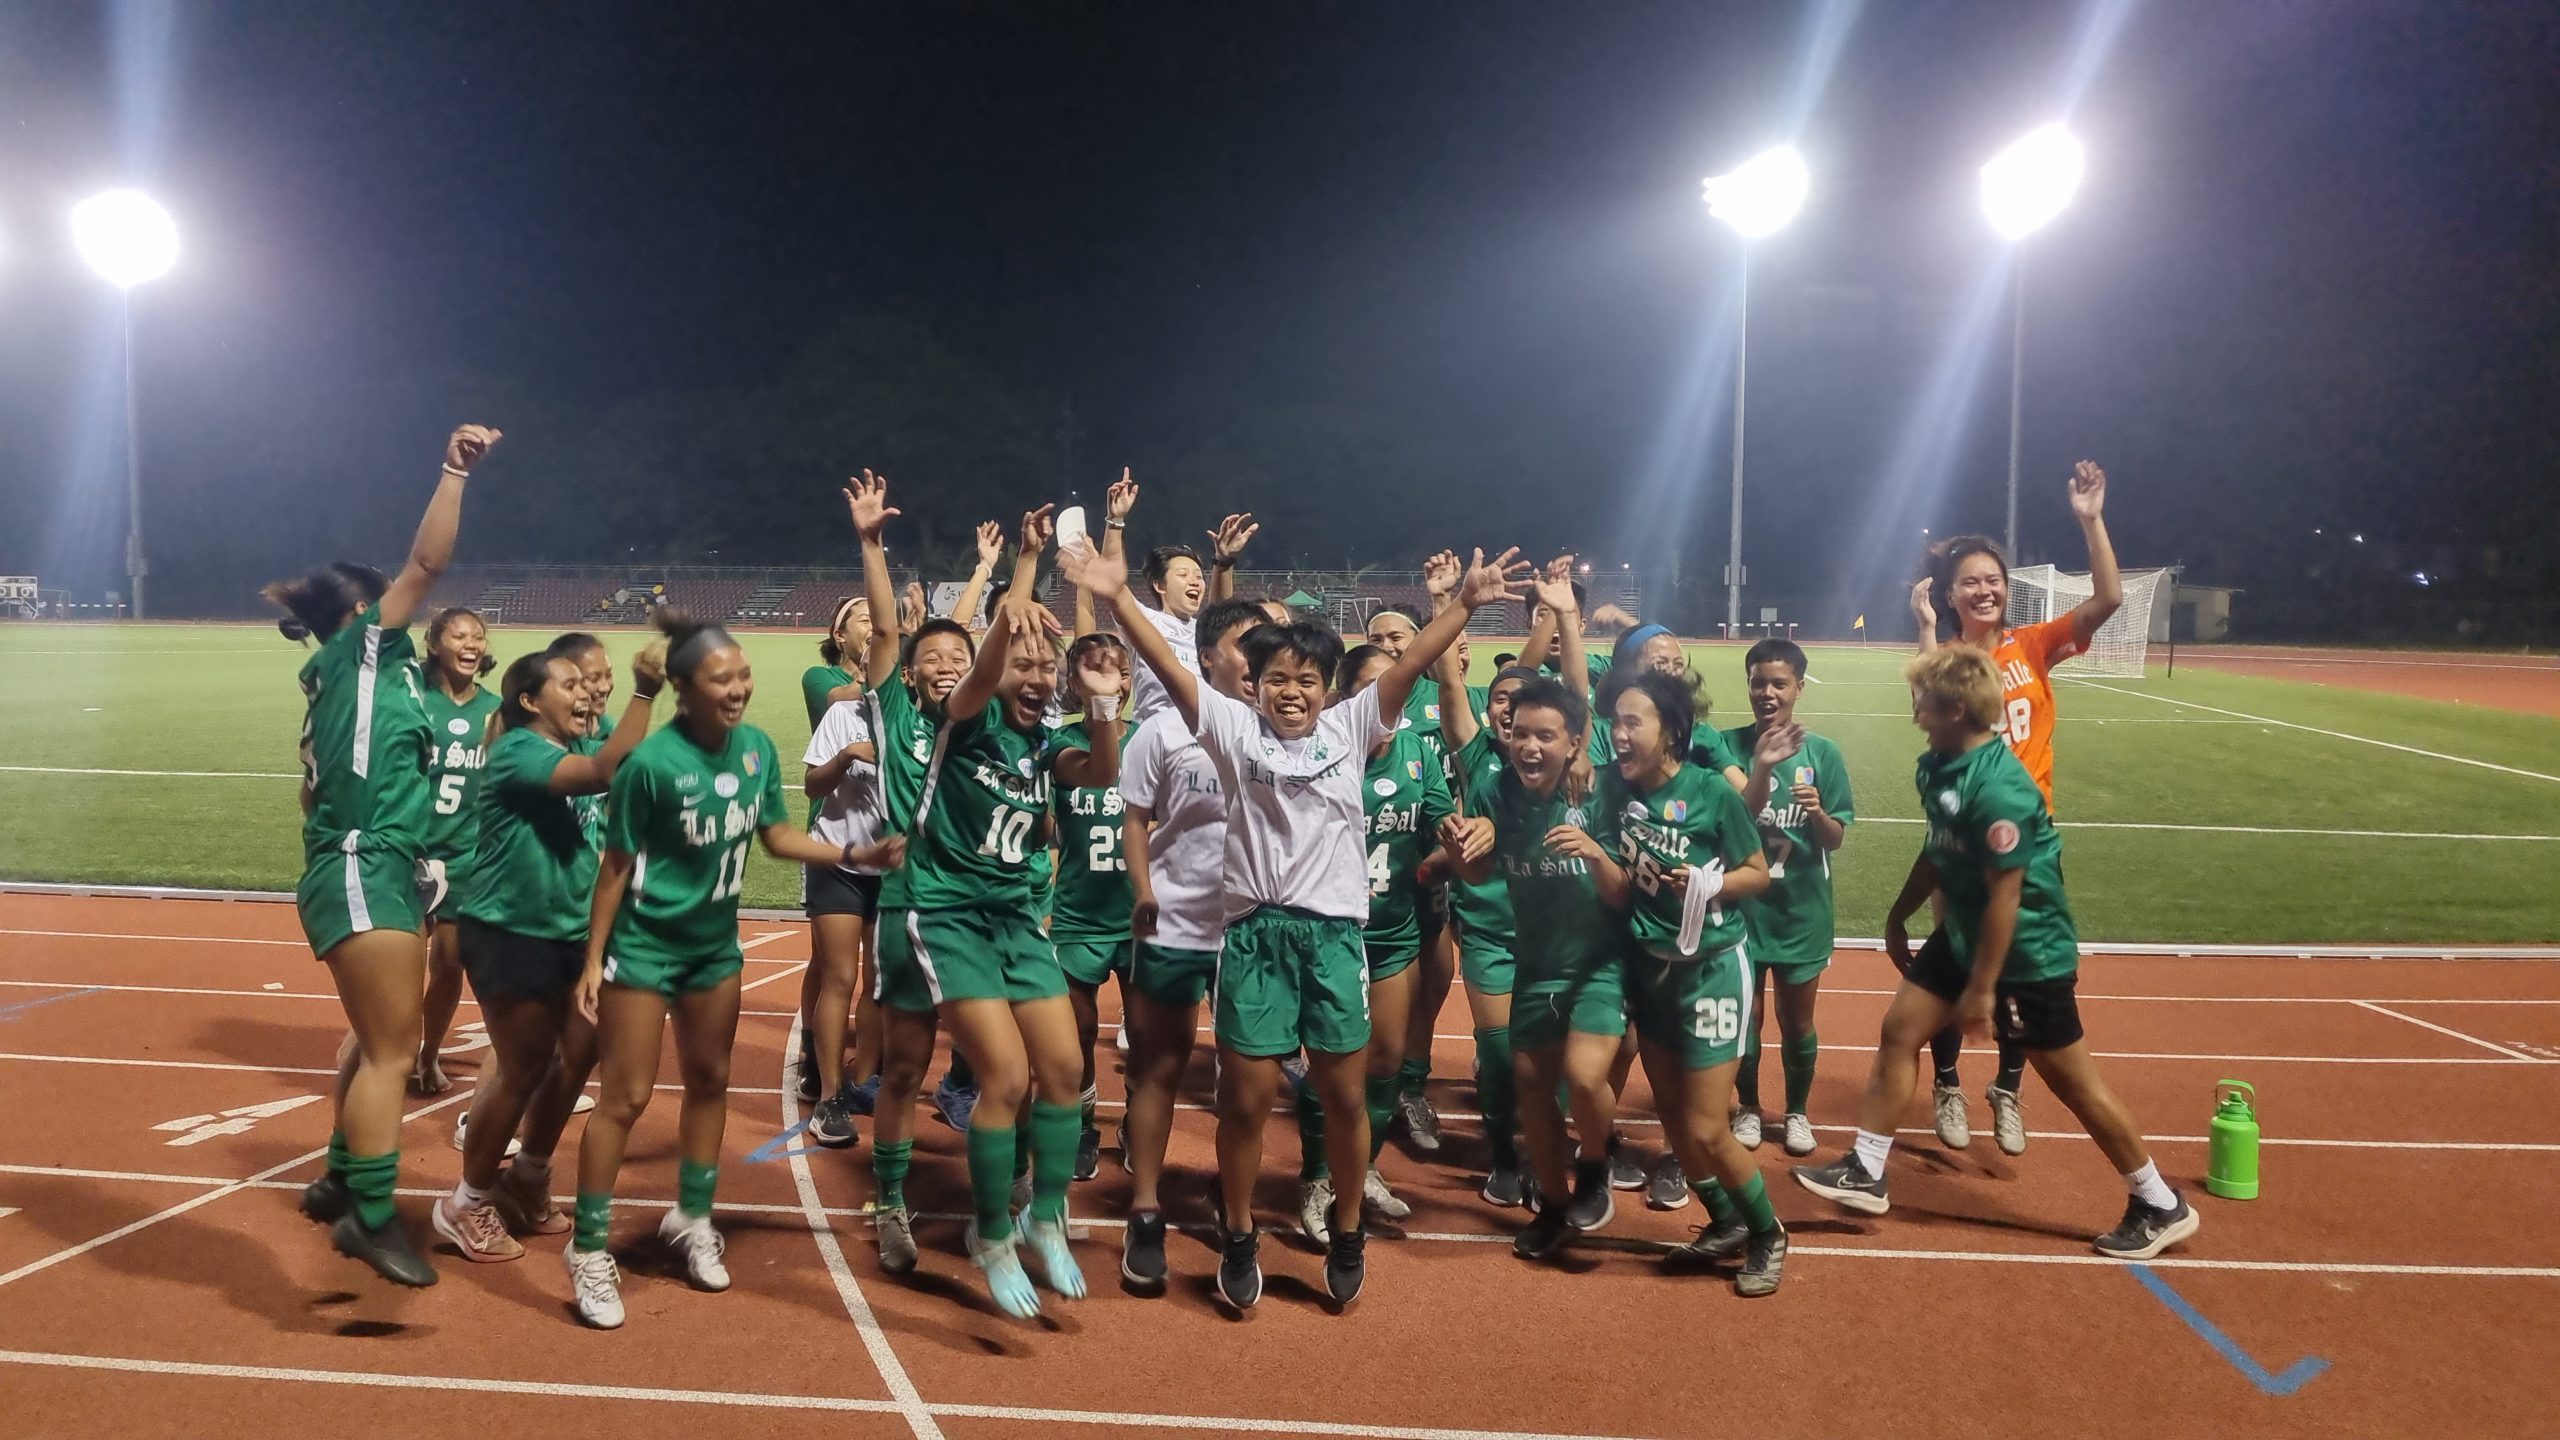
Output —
<point x="392" y="1381"/>
<point x="784" y="974"/>
<point x="2245" y="829"/>
<point x="2332" y="734"/>
<point x="180" y="939"/>
<point x="152" y="774"/>
<point x="255" y="1069"/>
<point x="2209" y="657"/>
<point x="1245" y="1424"/>
<point x="902" y="1389"/>
<point x="2440" y="1029"/>
<point x="460" y="1094"/>
<point x="2223" y="999"/>
<point x="766" y="938"/>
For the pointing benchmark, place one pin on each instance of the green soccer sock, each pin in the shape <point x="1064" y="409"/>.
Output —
<point x="889" y="1162"/>
<point x="991" y="1150"/>
<point x="1798" y="1057"/>
<point x="338" y="1153"/>
<point x="594" y="1220"/>
<point x="1311" y="1161"/>
<point x="1496" y="1089"/>
<point x="1055" y="1130"/>
<point x="1411" y="1075"/>
<point x="1381" y="1100"/>
<point x="1023" y="1135"/>
<point x="1746" y="1076"/>
<point x="372" y="1179"/>
<point x="694" y="1183"/>
<point x="1754" y="1199"/>
<point x="959" y="1076"/>
<point x="1719" y="1205"/>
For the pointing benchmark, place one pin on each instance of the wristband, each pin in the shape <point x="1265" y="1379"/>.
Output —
<point x="845" y="860"/>
<point x="639" y="694"/>
<point x="457" y="474"/>
<point x="1105" y="708"/>
<point x="1115" y="524"/>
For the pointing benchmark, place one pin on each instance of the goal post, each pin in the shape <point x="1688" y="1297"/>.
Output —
<point x="2041" y="592"/>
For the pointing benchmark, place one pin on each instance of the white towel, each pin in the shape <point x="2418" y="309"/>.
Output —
<point x="1705" y="884"/>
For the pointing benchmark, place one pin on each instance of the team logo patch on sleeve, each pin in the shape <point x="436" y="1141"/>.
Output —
<point x="751" y="764"/>
<point x="2002" y="837"/>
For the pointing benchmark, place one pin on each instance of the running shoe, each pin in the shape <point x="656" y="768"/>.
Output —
<point x="1381" y="1199"/>
<point x="897" y="1240"/>
<point x="1142" y="1252"/>
<point x="1120" y="1039"/>
<point x="1089" y="1153"/>
<point x="1626" y="1172"/>
<point x="1543" y="1237"/>
<point x="1592" y="1204"/>
<point x="327" y="1198"/>
<point x="1346" y="1265"/>
<point x="1006" y="1281"/>
<point x="807" y="1084"/>
<point x="526" y="1205"/>
<point x="584" y="1103"/>
<point x="1315" y="1209"/>
<point x="1421" y="1122"/>
<point x="1845" y="1182"/>
<point x="1761" y="1267"/>
<point x="1047" y="1241"/>
<point x="691" y="1239"/>
<point x="1505" y="1187"/>
<point x="1240" y="1269"/>
<point x="2008" y="1120"/>
<point x="955" y="1103"/>
<point x="831" y="1124"/>
<point x="864" y="1098"/>
<point x="1799" y="1134"/>
<point x="387" y="1250"/>
<point x="2147" y="1230"/>
<point x="1955" y="1128"/>
<point x="1122" y="1149"/>
<point x="480" y="1233"/>
<point x="1746" y="1128"/>
<point x="1667" y="1188"/>
<point x="462" y="1127"/>
<point x="597" y="1282"/>
<point x="1713" y="1243"/>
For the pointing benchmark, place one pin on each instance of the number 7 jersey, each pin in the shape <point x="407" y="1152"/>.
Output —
<point x="688" y="816"/>
<point x="977" y="826"/>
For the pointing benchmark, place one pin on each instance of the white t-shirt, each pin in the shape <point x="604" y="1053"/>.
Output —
<point x="852" y="815"/>
<point x="1295" y="829"/>
<point x="1165" y="770"/>
<point x="1184" y="636"/>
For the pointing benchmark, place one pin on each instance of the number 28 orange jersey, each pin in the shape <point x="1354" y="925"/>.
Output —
<point x="2026" y="657"/>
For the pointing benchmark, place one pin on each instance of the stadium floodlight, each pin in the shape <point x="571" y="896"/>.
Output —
<point x="1757" y="198"/>
<point x="2023" y="188"/>
<point x="125" y="236"/>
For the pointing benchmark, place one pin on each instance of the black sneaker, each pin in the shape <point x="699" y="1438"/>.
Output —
<point x="1592" y="1206"/>
<point x="1626" y="1172"/>
<point x="1142" y="1251"/>
<point x="1531" y="1196"/>
<point x="1667" y="1188"/>
<point x="1240" y="1269"/>
<point x="1845" y="1182"/>
<point x="1346" y="1264"/>
<point x="327" y="1198"/>
<point x="1088" y="1153"/>
<point x="1761" y="1268"/>
<point x="1542" y="1237"/>
<point x="387" y="1250"/>
<point x="808" y="1084"/>
<point x="1506" y="1186"/>
<point x="831" y="1124"/>
<point x="1713" y="1244"/>
<point x="2146" y="1231"/>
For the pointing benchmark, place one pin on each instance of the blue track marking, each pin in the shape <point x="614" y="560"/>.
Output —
<point x="772" y="1150"/>
<point x="11" y="1012"/>
<point x="2293" y="1377"/>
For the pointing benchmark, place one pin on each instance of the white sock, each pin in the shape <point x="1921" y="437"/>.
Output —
<point x="1871" y="1151"/>
<point x="2147" y="1186"/>
<point x="468" y="1197"/>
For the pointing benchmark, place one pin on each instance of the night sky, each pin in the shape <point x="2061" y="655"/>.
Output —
<point x="1448" y="253"/>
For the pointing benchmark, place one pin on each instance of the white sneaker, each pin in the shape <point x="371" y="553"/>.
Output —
<point x="1381" y="1199"/>
<point x="477" y="1232"/>
<point x="584" y="1103"/>
<point x="1955" y="1128"/>
<point x="1121" y="1041"/>
<point x="1315" y="1209"/>
<point x="1746" y="1128"/>
<point x="462" y="1127"/>
<point x="2008" y="1120"/>
<point x="1799" y="1135"/>
<point x="598" y="1283"/>
<point x="699" y="1246"/>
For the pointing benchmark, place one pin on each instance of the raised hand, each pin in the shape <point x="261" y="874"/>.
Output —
<point x="1023" y="618"/>
<point x="1505" y="578"/>
<point x="1037" y="527"/>
<point x="866" y="498"/>
<point x="1232" y="535"/>
<point x="1100" y="674"/>
<point x="911" y="605"/>
<point x="1441" y="574"/>
<point x="990" y="544"/>
<point x="1122" y="498"/>
<point x="466" y="445"/>
<point x="1775" y="744"/>
<point x="1104" y="575"/>
<point x="1923" y="607"/>
<point x="1555" y="586"/>
<point x="649" y="667"/>
<point x="2088" y="491"/>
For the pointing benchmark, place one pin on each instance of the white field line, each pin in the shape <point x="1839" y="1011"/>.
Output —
<point x="783" y="974"/>
<point x="766" y="938"/>
<point x="2243" y="829"/>
<point x="2261" y="657"/>
<point x="151" y="774"/>
<point x="2440" y="1029"/>
<point x="2332" y="734"/>
<point x="234" y="1068"/>
<point x="1905" y="717"/>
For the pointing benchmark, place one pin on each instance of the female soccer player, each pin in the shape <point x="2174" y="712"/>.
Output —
<point x="1802" y="820"/>
<point x="458" y="711"/>
<point x="1690" y="853"/>
<point x="521" y="929"/>
<point x="829" y="682"/>
<point x="2005" y="959"/>
<point x="366" y="806"/>
<point x="1291" y="975"/>
<point x="1173" y="573"/>
<point x="662" y="941"/>
<point x="1089" y="909"/>
<point x="1970" y="577"/>
<point x="843" y="784"/>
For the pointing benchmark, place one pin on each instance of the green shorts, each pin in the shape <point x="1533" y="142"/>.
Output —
<point x="1289" y="980"/>
<point x="1700" y="1009"/>
<point x="989" y="952"/>
<point x="351" y="891"/>
<point x="671" y="978"/>
<point x="1172" y="977"/>
<point x="1391" y="955"/>
<point x="1798" y="973"/>
<point x="1090" y="962"/>
<point x="1487" y="969"/>
<point x="1545" y="1009"/>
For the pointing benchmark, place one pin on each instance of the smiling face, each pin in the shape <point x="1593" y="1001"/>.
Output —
<point x="719" y="688"/>
<point x="1943" y="721"/>
<point x="1391" y="632"/>
<point x="595" y="672"/>
<point x="1228" y="671"/>
<point x="458" y="650"/>
<point x="853" y="628"/>
<point x="1290" y="692"/>
<point x="1663" y="654"/>
<point x="1497" y="706"/>
<point x="1980" y="594"/>
<point x="1542" y="749"/>
<point x="940" y="660"/>
<point x="1028" y="682"/>
<point x="1183" y="588"/>
<point x="1637" y="735"/>
<point x="1774" y="688"/>
<point x="560" y="709"/>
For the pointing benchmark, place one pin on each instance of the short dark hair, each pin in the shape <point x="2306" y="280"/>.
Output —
<point x="1220" y="616"/>
<point x="573" y="645"/>
<point x="1673" y="699"/>
<point x="444" y="618"/>
<point x="1774" y="651"/>
<point x="1505" y="660"/>
<point x="525" y="678"/>
<point x="1160" y="560"/>
<point x="318" y="603"/>
<point x="1314" y="644"/>
<point x="1353" y="660"/>
<point x="1553" y="695"/>
<point x="937" y="625"/>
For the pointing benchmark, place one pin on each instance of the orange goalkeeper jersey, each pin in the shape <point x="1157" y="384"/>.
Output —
<point x="2026" y="657"/>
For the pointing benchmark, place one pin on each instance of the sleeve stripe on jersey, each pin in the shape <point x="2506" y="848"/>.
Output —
<point x="932" y="778"/>
<point x="367" y="670"/>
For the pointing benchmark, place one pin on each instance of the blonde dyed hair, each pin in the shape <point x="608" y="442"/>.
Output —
<point x="1958" y="678"/>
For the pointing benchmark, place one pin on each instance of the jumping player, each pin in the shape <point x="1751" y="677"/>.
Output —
<point x="1089" y="912"/>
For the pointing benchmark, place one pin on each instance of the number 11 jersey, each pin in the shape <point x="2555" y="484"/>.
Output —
<point x="689" y="816"/>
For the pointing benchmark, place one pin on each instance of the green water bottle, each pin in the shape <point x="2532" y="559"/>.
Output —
<point x="2231" y="1166"/>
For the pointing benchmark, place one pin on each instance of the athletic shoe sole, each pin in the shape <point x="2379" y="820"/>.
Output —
<point x="1858" y="1200"/>
<point x="2182" y="1228"/>
<point x="452" y="1235"/>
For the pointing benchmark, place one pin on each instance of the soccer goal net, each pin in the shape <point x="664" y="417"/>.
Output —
<point x="2040" y="592"/>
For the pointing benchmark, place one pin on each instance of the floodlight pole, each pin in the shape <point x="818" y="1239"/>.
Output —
<point x="1733" y="541"/>
<point x="135" y="566"/>
<point x="2017" y="387"/>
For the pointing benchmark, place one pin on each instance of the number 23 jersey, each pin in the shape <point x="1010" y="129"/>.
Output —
<point x="688" y="816"/>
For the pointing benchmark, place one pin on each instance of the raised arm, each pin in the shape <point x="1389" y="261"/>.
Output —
<point x="1017" y="616"/>
<point x="1542" y="637"/>
<point x="974" y="594"/>
<point x="1107" y="576"/>
<point x="1771" y="751"/>
<point x="1504" y="578"/>
<point x="432" y="548"/>
<point x="1226" y="547"/>
<point x="1555" y="593"/>
<point x="593" y="774"/>
<point x="2106" y="587"/>
<point x="867" y="498"/>
<point x="1094" y="766"/>
<point x="1440" y="576"/>
<point x="1037" y="527"/>
<point x="1924" y="613"/>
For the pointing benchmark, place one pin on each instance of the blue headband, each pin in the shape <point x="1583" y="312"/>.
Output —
<point x="1633" y="641"/>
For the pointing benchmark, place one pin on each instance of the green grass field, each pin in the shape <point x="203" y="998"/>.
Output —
<point x="164" y="754"/>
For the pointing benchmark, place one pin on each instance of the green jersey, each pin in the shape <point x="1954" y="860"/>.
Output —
<point x="972" y="842"/>
<point x="1483" y="912"/>
<point x="690" y="815"/>
<point x="903" y="734"/>
<point x="817" y="683"/>
<point x="1695" y="818"/>
<point x="1791" y="922"/>
<point x="591" y="807"/>
<point x="1093" y="897"/>
<point x="534" y="869"/>
<point x="456" y="753"/>
<point x="1984" y="810"/>
<point x="364" y="743"/>
<point x="1422" y="710"/>
<point x="1405" y="797"/>
<point x="1564" y="929"/>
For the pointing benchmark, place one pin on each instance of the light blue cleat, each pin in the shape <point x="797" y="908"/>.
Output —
<point x="1005" y="1278"/>
<point x="1047" y="1241"/>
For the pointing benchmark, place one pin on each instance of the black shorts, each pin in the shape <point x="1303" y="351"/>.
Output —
<point x="502" y="962"/>
<point x="833" y="890"/>
<point x="2036" y="1015"/>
